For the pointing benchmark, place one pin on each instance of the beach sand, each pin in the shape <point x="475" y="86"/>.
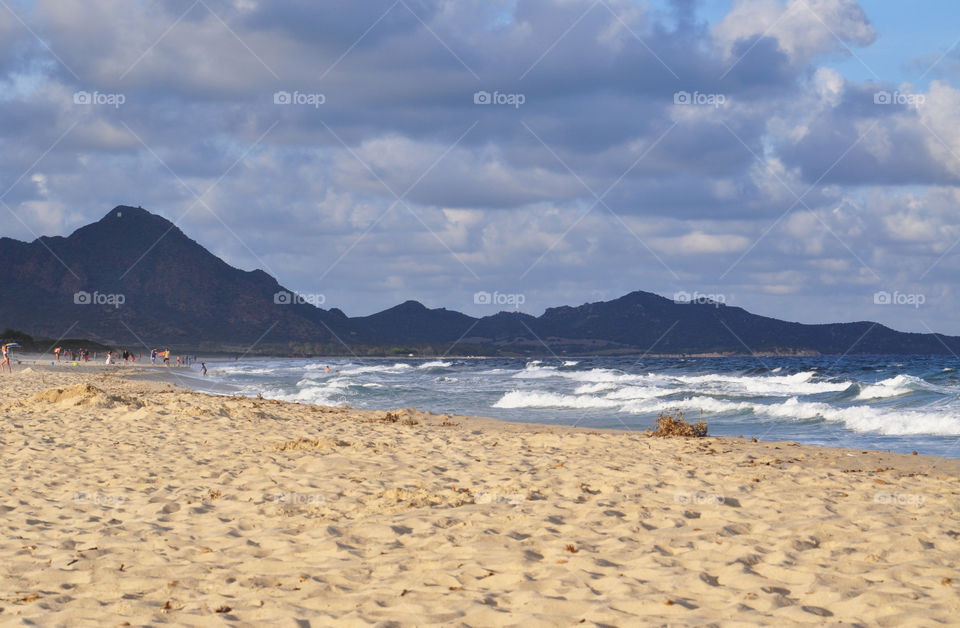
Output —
<point x="130" y="502"/>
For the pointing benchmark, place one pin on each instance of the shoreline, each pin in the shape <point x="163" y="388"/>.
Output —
<point x="227" y="356"/>
<point x="144" y="502"/>
<point x="170" y="375"/>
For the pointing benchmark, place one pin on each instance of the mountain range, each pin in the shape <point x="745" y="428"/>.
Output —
<point x="133" y="278"/>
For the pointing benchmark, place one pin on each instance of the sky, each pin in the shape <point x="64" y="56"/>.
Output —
<point x="798" y="158"/>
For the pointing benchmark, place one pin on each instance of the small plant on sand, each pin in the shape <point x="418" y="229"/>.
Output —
<point x="400" y="416"/>
<point x="675" y="425"/>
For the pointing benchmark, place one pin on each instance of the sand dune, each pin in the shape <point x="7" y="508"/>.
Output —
<point x="138" y="502"/>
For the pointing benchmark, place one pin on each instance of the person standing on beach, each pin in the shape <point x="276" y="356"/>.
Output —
<point x="56" y="352"/>
<point x="203" y="368"/>
<point x="5" y="362"/>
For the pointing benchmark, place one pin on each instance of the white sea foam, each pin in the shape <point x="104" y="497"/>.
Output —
<point x="538" y="399"/>
<point x="707" y="404"/>
<point x="891" y="387"/>
<point x="434" y="364"/>
<point x="737" y="385"/>
<point x="543" y="399"/>
<point x="245" y="370"/>
<point x="317" y="395"/>
<point x="890" y="422"/>
<point x="899" y="385"/>
<point x="377" y="368"/>
<point x="769" y="385"/>
<point x="944" y="421"/>
<point x="776" y="398"/>
<point x="591" y="375"/>
<point x="589" y="389"/>
<point x="639" y="392"/>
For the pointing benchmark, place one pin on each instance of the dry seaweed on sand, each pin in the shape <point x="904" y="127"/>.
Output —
<point x="675" y="425"/>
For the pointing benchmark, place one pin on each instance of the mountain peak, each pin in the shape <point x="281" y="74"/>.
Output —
<point x="410" y="306"/>
<point x="133" y="228"/>
<point x="129" y="213"/>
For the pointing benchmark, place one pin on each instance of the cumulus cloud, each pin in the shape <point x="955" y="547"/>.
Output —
<point x="803" y="29"/>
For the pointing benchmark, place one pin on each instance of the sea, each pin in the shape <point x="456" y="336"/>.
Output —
<point x="893" y="403"/>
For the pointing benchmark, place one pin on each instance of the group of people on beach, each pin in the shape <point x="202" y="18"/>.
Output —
<point x="73" y="355"/>
<point x="165" y="357"/>
<point x="128" y="357"/>
<point x="111" y="357"/>
<point x="184" y="361"/>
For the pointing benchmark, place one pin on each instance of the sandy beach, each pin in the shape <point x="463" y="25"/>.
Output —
<point x="131" y="502"/>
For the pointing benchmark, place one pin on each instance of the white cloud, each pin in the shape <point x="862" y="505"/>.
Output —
<point x="700" y="243"/>
<point x="830" y="85"/>
<point x="804" y="29"/>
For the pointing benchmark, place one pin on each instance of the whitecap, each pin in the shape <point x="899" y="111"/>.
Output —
<point x="540" y="399"/>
